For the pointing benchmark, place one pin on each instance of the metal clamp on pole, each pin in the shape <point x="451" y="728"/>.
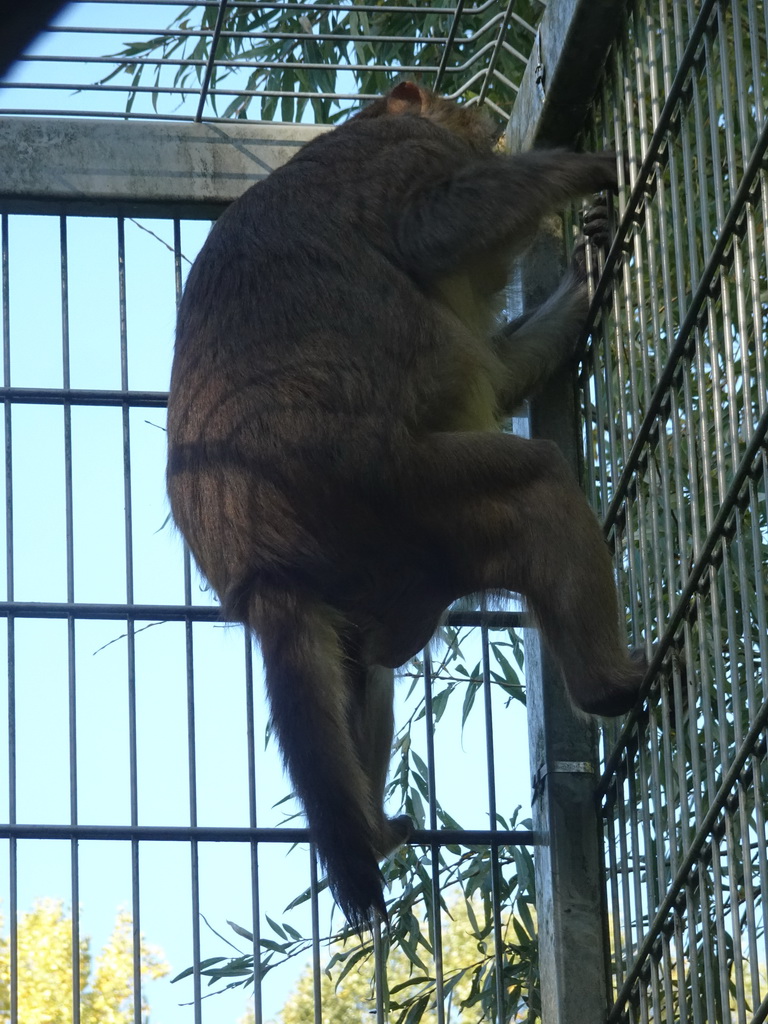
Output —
<point x="559" y="768"/>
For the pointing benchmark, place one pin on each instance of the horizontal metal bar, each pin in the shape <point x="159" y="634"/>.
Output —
<point x="177" y="62"/>
<point x="368" y="8"/>
<point x="84" y="396"/>
<point x="207" y="33"/>
<point x="208" y="613"/>
<point x="132" y="612"/>
<point x="215" y="834"/>
<point x="301" y="6"/>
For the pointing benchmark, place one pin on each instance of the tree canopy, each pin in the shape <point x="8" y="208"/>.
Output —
<point x="45" y="974"/>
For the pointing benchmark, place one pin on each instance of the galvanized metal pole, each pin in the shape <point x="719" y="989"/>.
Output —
<point x="563" y="757"/>
<point x="559" y="84"/>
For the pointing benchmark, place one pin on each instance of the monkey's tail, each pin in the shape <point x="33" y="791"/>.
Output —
<point x="310" y="684"/>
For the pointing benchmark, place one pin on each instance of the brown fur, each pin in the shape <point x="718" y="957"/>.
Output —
<point x="334" y="458"/>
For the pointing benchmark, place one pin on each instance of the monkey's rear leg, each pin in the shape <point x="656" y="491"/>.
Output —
<point x="372" y="723"/>
<point x="511" y="516"/>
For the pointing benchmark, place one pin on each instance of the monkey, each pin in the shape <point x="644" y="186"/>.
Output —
<point x="335" y="461"/>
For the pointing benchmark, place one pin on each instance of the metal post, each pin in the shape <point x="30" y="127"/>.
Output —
<point x="563" y="757"/>
<point x="557" y="89"/>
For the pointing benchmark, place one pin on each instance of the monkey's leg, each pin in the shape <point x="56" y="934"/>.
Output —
<point x="511" y="516"/>
<point x="535" y="345"/>
<point x="373" y="724"/>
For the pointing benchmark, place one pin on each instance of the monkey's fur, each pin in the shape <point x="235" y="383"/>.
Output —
<point x="335" y="462"/>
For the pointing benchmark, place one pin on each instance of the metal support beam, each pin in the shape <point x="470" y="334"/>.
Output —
<point x="566" y="63"/>
<point x="556" y="92"/>
<point x="137" y="168"/>
<point x="563" y="758"/>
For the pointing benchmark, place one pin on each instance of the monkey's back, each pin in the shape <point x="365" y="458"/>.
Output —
<point x="307" y="356"/>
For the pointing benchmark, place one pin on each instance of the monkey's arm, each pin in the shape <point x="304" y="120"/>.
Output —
<point x="536" y="344"/>
<point x="533" y="346"/>
<point x="491" y="204"/>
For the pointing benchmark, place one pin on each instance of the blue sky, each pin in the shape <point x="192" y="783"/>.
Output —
<point x="34" y="257"/>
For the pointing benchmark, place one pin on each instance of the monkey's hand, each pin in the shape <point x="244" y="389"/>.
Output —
<point x="597" y="229"/>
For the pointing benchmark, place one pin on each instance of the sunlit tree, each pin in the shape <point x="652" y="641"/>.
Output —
<point x="45" y="974"/>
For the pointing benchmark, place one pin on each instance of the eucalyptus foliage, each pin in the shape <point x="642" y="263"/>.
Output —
<point x="304" y="63"/>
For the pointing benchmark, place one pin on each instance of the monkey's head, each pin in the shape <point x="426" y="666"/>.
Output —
<point x="408" y="99"/>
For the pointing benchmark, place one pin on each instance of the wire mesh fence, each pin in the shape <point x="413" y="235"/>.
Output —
<point x="144" y="809"/>
<point x="136" y="781"/>
<point x="675" y="404"/>
<point x="216" y="59"/>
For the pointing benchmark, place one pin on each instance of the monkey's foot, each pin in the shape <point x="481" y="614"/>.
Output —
<point x="394" y="832"/>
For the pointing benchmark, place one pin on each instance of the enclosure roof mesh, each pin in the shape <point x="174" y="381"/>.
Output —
<point x="213" y="60"/>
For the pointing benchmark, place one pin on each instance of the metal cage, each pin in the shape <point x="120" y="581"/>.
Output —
<point x="131" y="778"/>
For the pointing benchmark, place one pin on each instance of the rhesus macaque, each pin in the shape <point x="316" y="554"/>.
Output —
<point x="335" y="459"/>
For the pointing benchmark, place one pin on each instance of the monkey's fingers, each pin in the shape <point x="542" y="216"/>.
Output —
<point x="597" y="223"/>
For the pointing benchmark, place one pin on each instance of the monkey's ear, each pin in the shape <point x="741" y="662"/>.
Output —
<point x="406" y="98"/>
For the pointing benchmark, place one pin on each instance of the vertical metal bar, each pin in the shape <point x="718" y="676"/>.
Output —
<point x="567" y="860"/>
<point x="317" y="995"/>
<point x="130" y="625"/>
<point x="498" y="942"/>
<point x="491" y="65"/>
<point x="448" y="46"/>
<point x="71" y="672"/>
<point x="253" y="821"/>
<point x="191" y="743"/>
<point x="211" y="63"/>
<point x="437" y="941"/>
<point x="11" y="655"/>
<point x="380" y="975"/>
<point x="192" y="781"/>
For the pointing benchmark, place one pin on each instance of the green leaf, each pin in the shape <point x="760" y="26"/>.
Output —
<point x="469" y="699"/>
<point x="275" y="927"/>
<point x="203" y="965"/>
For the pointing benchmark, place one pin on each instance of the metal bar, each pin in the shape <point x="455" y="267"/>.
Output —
<point x="435" y="898"/>
<point x="208" y="833"/>
<point x="11" y="653"/>
<point x="296" y="6"/>
<point x="497" y="47"/>
<point x="317" y="996"/>
<point x="67" y="396"/>
<point x="211" y="62"/>
<point x="71" y="671"/>
<point x="498" y="941"/>
<point x="380" y="975"/>
<point x="694" y="580"/>
<point x="703" y="835"/>
<point x="130" y="626"/>
<point x="173" y="90"/>
<point x="567" y="863"/>
<point x="253" y="822"/>
<point x="207" y="613"/>
<point x="650" y="422"/>
<point x="448" y="44"/>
